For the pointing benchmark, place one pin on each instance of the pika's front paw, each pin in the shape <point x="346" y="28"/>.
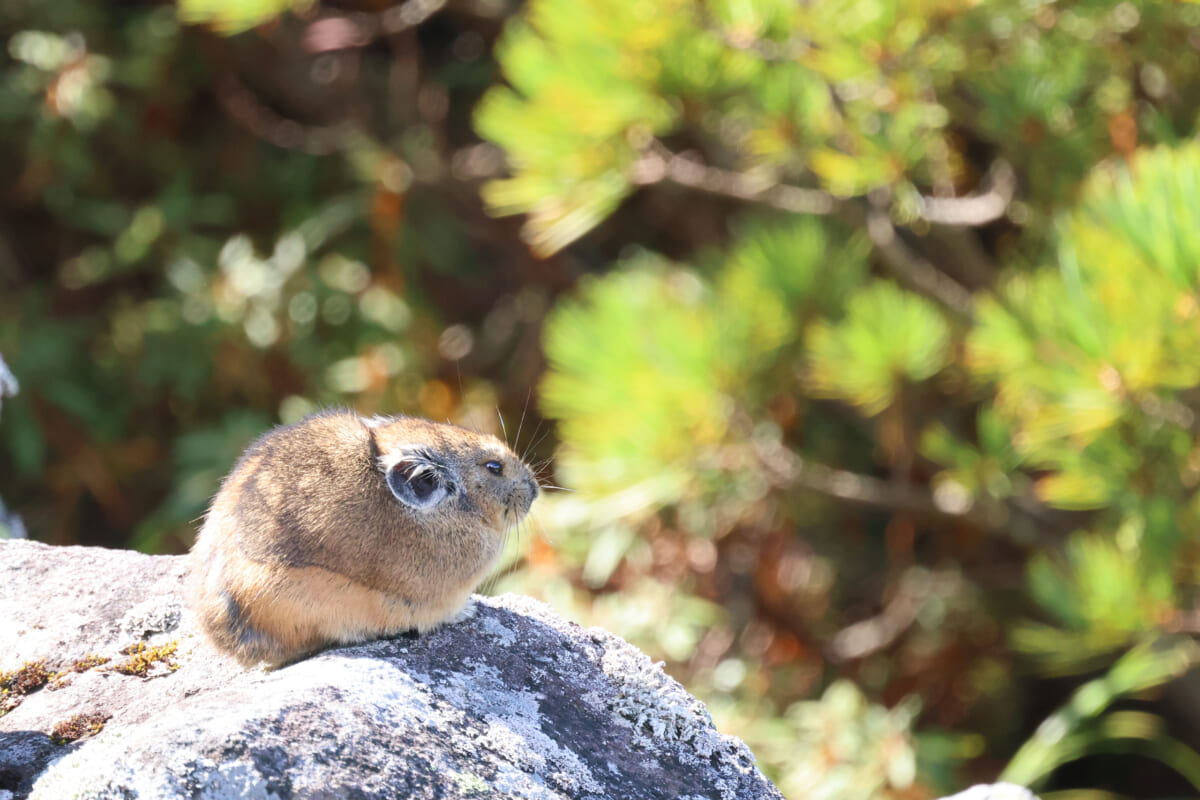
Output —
<point x="465" y="613"/>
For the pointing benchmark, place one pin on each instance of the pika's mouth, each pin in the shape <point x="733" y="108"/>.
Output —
<point x="519" y="503"/>
<point x="531" y="495"/>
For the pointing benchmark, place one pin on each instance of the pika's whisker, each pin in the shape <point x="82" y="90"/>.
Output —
<point x="458" y="373"/>
<point x="528" y="447"/>
<point x="524" y="408"/>
<point x="537" y="441"/>
<point x="542" y="466"/>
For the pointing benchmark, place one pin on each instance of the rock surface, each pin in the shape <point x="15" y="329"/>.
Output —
<point x="995" y="791"/>
<point x="513" y="701"/>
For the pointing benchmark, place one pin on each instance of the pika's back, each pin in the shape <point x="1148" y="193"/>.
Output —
<point x="340" y="528"/>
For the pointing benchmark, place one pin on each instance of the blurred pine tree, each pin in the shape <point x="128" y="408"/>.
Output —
<point x="876" y="372"/>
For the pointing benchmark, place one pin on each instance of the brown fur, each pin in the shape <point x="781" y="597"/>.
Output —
<point x="306" y="545"/>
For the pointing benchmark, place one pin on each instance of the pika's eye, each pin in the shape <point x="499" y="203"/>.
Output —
<point x="494" y="467"/>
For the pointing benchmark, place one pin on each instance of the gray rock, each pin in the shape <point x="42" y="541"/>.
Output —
<point x="995" y="791"/>
<point x="511" y="702"/>
<point x="11" y="526"/>
<point x="8" y="386"/>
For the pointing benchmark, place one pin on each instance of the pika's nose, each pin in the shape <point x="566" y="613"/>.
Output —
<point x="533" y="489"/>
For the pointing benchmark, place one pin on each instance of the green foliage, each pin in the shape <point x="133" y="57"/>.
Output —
<point x="571" y="167"/>
<point x="987" y="469"/>
<point x="629" y="422"/>
<point x="588" y="99"/>
<point x="1090" y="364"/>
<point x="235" y="16"/>
<point x="1103" y="596"/>
<point x="680" y="353"/>
<point x="1079" y="729"/>
<point x="842" y="387"/>
<point x="887" y="337"/>
<point x="1061" y="84"/>
<point x="170" y="285"/>
<point x="844" y="746"/>
<point x="1111" y="328"/>
<point x="689" y="401"/>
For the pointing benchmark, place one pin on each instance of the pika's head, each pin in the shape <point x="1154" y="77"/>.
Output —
<point x="443" y="471"/>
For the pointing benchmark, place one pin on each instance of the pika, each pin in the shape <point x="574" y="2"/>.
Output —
<point x="339" y="529"/>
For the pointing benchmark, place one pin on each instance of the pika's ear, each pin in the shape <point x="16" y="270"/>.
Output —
<point x="418" y="482"/>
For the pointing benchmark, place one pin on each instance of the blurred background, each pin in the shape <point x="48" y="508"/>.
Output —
<point x="863" y="336"/>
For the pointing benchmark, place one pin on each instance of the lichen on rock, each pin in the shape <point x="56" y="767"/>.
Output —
<point x="158" y="614"/>
<point x="659" y="707"/>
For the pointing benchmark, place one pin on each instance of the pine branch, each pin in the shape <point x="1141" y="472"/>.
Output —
<point x="245" y="108"/>
<point x="787" y="468"/>
<point x="909" y="267"/>
<point x="339" y="32"/>
<point x="974" y="210"/>
<point x="662" y="165"/>
<point x="871" y="635"/>
<point x="659" y="164"/>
